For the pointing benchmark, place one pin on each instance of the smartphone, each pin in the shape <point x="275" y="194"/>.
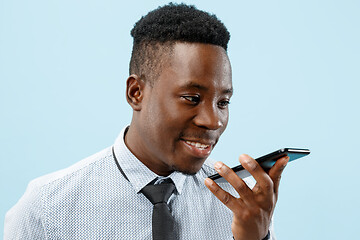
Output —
<point x="266" y="161"/>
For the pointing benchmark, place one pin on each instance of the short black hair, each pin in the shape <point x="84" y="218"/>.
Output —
<point x="155" y="33"/>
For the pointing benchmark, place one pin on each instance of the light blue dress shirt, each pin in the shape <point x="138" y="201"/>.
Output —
<point x="93" y="200"/>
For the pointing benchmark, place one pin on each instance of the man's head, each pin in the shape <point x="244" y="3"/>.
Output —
<point x="179" y="88"/>
<point x="155" y="34"/>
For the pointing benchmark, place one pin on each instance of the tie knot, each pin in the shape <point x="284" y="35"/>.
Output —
<point x="158" y="193"/>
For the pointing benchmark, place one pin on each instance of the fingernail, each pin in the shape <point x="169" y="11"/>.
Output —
<point x="247" y="160"/>
<point x="251" y="164"/>
<point x="208" y="181"/>
<point x="244" y="158"/>
<point x="218" y="165"/>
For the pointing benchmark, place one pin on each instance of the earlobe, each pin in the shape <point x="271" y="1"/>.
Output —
<point x="135" y="91"/>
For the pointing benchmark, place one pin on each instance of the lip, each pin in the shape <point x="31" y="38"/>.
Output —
<point x="197" y="152"/>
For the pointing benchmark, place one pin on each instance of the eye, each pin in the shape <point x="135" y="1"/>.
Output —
<point x="224" y="103"/>
<point x="193" y="99"/>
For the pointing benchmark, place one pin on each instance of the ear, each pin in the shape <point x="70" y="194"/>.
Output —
<point x="135" y="91"/>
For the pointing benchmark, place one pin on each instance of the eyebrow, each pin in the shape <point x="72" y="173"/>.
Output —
<point x="201" y="87"/>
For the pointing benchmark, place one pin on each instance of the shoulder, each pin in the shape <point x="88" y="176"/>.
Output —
<point x="44" y="193"/>
<point x="79" y="167"/>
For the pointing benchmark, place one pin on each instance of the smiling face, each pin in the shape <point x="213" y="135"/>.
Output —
<point x="179" y="118"/>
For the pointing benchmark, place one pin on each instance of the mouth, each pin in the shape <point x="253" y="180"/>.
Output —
<point x="198" y="145"/>
<point x="198" y="148"/>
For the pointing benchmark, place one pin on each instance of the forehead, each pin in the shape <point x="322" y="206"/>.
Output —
<point x="198" y="65"/>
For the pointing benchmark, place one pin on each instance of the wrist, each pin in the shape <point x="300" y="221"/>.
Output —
<point x="267" y="237"/>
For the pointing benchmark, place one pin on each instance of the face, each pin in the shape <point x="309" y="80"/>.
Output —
<point x="182" y="115"/>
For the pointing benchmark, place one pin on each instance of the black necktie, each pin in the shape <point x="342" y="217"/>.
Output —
<point x="162" y="220"/>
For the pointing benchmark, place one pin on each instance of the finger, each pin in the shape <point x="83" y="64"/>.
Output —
<point x="264" y="182"/>
<point x="226" y="198"/>
<point x="276" y="171"/>
<point x="238" y="184"/>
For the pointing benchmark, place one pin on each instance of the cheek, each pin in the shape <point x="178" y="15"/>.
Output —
<point x="172" y="114"/>
<point x="224" y="118"/>
<point x="163" y="120"/>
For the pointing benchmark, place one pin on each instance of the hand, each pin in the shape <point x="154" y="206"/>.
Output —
<point x="254" y="209"/>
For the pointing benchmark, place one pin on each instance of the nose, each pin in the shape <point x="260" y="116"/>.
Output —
<point x="209" y="117"/>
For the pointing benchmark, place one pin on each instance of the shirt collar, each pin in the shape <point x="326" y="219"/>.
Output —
<point x="138" y="174"/>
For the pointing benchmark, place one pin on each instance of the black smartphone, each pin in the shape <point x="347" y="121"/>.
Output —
<point x="266" y="161"/>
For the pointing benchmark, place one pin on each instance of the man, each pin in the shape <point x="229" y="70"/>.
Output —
<point x="179" y="89"/>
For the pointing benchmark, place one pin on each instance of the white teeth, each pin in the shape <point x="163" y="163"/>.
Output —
<point x="197" y="144"/>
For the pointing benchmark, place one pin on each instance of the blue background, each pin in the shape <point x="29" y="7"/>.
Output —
<point x="63" y="66"/>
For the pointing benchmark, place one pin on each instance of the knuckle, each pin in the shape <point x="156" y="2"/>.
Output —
<point x="225" y="170"/>
<point x="249" y="214"/>
<point x="226" y="199"/>
<point x="215" y="190"/>
<point x="238" y="211"/>
<point x="253" y="167"/>
<point x="246" y="215"/>
<point x="268" y="207"/>
<point x="268" y="186"/>
<point x="240" y="187"/>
